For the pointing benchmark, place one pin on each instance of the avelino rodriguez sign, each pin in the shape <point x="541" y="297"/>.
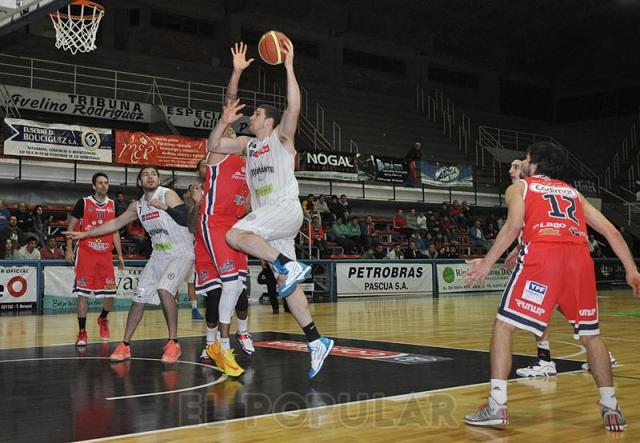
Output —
<point x="370" y="279"/>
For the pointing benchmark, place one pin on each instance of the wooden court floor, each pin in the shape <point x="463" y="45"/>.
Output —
<point x="562" y="408"/>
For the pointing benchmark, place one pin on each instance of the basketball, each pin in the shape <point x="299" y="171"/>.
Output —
<point x="270" y="47"/>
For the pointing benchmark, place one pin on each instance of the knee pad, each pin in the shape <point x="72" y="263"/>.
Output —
<point x="212" y="302"/>
<point x="243" y="301"/>
<point x="230" y="292"/>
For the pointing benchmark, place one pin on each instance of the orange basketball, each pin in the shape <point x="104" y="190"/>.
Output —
<point x="270" y="47"/>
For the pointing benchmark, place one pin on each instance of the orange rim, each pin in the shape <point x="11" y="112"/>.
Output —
<point x="99" y="11"/>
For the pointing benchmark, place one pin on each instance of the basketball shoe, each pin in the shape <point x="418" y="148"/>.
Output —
<point x="246" y="342"/>
<point x="491" y="414"/>
<point x="319" y="350"/>
<point x="103" y="323"/>
<point x="540" y="368"/>
<point x="82" y="338"/>
<point x="122" y="352"/>
<point x="172" y="352"/>
<point x="295" y="272"/>
<point x="613" y="419"/>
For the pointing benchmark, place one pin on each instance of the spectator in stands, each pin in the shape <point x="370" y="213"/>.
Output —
<point x="25" y="219"/>
<point x="490" y="234"/>
<point x="476" y="236"/>
<point x="412" y="251"/>
<point x="337" y="209"/>
<point x="453" y="252"/>
<point x="379" y="252"/>
<point x="40" y="224"/>
<point x="368" y="229"/>
<point x="50" y="251"/>
<point x="355" y="233"/>
<point x="466" y="210"/>
<point x="455" y="214"/>
<point x="8" y="250"/>
<point x="500" y="222"/>
<point x="413" y="158"/>
<point x="432" y="253"/>
<point x="594" y="244"/>
<point x="439" y="241"/>
<point x="443" y="252"/>
<point x="444" y="210"/>
<point x="309" y="207"/>
<point x="317" y="236"/>
<point x="416" y="237"/>
<point x="368" y="254"/>
<point x="412" y="220"/>
<point x="4" y="216"/>
<point x="13" y="231"/>
<point x="340" y="233"/>
<point x="446" y="227"/>
<point x="136" y="234"/>
<point x="396" y="253"/>
<point x="120" y="203"/>
<point x="628" y="238"/>
<point x="428" y="240"/>
<point x="345" y="203"/>
<point x="325" y="213"/>
<point x="432" y="221"/>
<point x="400" y="224"/>
<point x="29" y="251"/>
<point x="421" y="221"/>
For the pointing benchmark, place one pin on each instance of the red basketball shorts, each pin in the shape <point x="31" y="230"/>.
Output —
<point x="550" y="275"/>
<point x="94" y="274"/>
<point x="216" y="261"/>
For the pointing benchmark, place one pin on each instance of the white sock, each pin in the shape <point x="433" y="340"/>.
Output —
<point x="212" y="334"/>
<point x="499" y="391"/>
<point x="243" y="325"/>
<point x="608" y="397"/>
<point x="544" y="345"/>
<point x="225" y="343"/>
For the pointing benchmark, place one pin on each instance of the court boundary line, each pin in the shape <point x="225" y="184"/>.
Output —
<point x="394" y="398"/>
<point x="221" y="379"/>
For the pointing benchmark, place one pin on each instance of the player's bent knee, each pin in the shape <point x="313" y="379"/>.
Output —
<point x="243" y="302"/>
<point x="211" y="308"/>
<point x="231" y="237"/>
<point x="504" y="326"/>
<point x="587" y="340"/>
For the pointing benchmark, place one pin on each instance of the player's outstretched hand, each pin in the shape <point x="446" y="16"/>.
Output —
<point x="477" y="273"/>
<point x="231" y="113"/>
<point x="633" y="279"/>
<point x="74" y="235"/>
<point x="287" y="48"/>
<point x="239" y="54"/>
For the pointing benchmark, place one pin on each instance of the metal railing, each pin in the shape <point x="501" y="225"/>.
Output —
<point x="627" y="156"/>
<point x="8" y="108"/>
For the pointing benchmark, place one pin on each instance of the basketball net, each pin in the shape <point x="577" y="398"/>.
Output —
<point x="77" y="28"/>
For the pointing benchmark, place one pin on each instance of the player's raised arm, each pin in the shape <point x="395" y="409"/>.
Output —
<point x="109" y="227"/>
<point x="219" y="145"/>
<point x="240" y="63"/>
<point x="289" y="121"/>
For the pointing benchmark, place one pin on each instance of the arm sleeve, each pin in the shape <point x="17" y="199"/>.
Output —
<point x="178" y="214"/>
<point x="78" y="209"/>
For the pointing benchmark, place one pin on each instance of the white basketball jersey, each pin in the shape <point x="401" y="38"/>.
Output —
<point x="270" y="173"/>
<point x="168" y="238"/>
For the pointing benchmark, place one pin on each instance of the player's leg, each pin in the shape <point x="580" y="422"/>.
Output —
<point x="82" y="307"/>
<point x="193" y="296"/>
<point x="84" y="274"/>
<point x="581" y="309"/>
<point x="231" y="290"/>
<point x="105" y="280"/>
<point x="242" y="317"/>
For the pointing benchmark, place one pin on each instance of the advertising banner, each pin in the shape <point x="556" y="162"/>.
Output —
<point x="328" y="166"/>
<point x="166" y="150"/>
<point x="18" y="287"/>
<point x="435" y="174"/>
<point x="451" y="278"/>
<point x="367" y="279"/>
<point x="28" y="138"/>
<point x="382" y="169"/>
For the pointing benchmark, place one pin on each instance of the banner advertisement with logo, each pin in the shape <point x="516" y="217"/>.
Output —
<point x="329" y="166"/>
<point x="451" y="278"/>
<point x="166" y="150"/>
<point x="435" y="174"/>
<point x="77" y="104"/>
<point x="201" y="119"/>
<point x="586" y="186"/>
<point x="58" y="286"/>
<point x="18" y="287"/>
<point x="28" y="138"/>
<point x="368" y="279"/>
<point x="382" y="169"/>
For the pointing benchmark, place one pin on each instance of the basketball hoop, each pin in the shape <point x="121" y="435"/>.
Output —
<point x="76" y="29"/>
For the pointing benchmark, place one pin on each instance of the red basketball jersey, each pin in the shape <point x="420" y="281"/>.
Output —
<point x="225" y="188"/>
<point x="94" y="215"/>
<point x="553" y="212"/>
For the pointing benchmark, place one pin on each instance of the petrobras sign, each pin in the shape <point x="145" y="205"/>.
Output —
<point x="327" y="165"/>
<point x="78" y="104"/>
<point x="435" y="174"/>
<point x="370" y="279"/>
<point x="451" y="278"/>
<point x="26" y="138"/>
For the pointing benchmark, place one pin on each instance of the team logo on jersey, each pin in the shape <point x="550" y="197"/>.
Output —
<point x="150" y="216"/>
<point x="239" y="175"/>
<point x="171" y="276"/>
<point x="239" y="200"/>
<point x="548" y="231"/>
<point x="227" y="266"/>
<point x="555" y="190"/>
<point x="577" y="233"/>
<point x="82" y="281"/>
<point x="534" y="292"/>
<point x="110" y="283"/>
<point x="203" y="275"/>
<point x="91" y="209"/>
<point x="260" y="152"/>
